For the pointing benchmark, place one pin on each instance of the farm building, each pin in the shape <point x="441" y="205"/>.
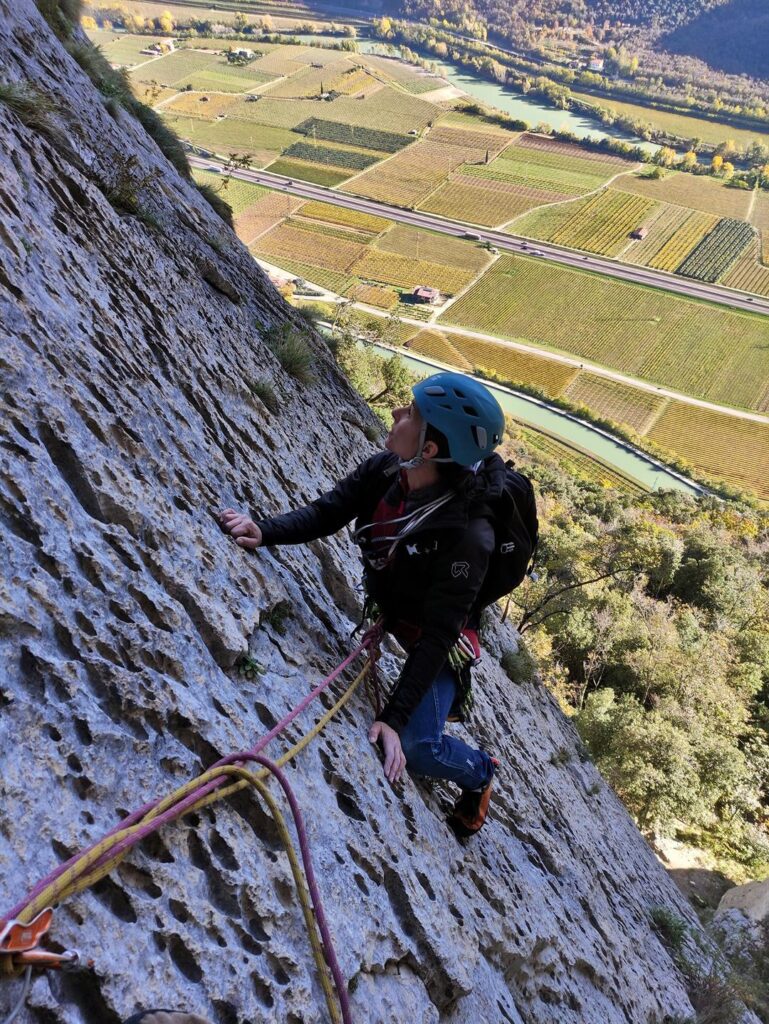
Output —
<point x="161" y="46"/>
<point x="640" y="233"/>
<point x="245" y="54"/>
<point x="596" y="64"/>
<point x="422" y="293"/>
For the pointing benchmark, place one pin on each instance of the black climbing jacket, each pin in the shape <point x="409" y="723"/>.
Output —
<point x="433" y="579"/>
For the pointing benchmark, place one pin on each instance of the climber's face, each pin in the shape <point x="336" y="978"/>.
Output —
<point x="405" y="431"/>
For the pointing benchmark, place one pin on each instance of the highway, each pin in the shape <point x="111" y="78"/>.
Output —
<point x="504" y="240"/>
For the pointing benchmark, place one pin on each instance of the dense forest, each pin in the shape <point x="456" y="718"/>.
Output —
<point x="649" y="621"/>
<point x="733" y="37"/>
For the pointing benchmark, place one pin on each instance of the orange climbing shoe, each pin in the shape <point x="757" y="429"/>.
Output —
<point x="471" y="808"/>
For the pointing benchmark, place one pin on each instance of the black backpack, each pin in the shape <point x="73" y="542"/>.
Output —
<point x="516" y="533"/>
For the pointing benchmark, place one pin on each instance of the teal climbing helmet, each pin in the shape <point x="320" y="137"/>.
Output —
<point x="464" y="411"/>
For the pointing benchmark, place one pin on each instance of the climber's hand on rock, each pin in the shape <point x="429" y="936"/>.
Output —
<point x="243" y="530"/>
<point x="390" y="742"/>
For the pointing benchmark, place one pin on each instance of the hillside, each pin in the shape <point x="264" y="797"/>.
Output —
<point x="134" y="355"/>
<point x="731" y="37"/>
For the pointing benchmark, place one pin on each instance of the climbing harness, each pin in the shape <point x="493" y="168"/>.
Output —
<point x="23" y="926"/>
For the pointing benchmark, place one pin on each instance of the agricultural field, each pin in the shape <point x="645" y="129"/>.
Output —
<point x="351" y="159"/>
<point x="561" y="174"/>
<point x="683" y="241"/>
<point x="709" y="195"/>
<point x="511" y="365"/>
<point x="436" y="345"/>
<point x="340" y="215"/>
<point x="373" y="295"/>
<point x="123" y="50"/>
<point x="350" y="135"/>
<point x="749" y="274"/>
<point x="476" y="139"/>
<point x="717" y="444"/>
<point x="329" y="230"/>
<point x="241" y="195"/>
<point x="633" y="407"/>
<point x="278" y="113"/>
<point x="700" y="349"/>
<point x="307" y="82"/>
<point x="663" y="225"/>
<point x="477" y="202"/>
<point x="604" y="224"/>
<point x="683" y="125"/>
<point x="263" y="145"/>
<point x="760" y="220"/>
<point x="429" y="245"/>
<point x="410" y="176"/>
<point x="268" y="211"/>
<point x="405" y="272"/>
<point x="577" y="462"/>
<point x="335" y="280"/>
<point x="200" y="105"/>
<point x="718" y="251"/>
<point x="413" y="79"/>
<point x="320" y="174"/>
<point x="292" y="243"/>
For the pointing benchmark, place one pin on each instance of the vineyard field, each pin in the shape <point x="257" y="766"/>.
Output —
<point x="372" y="295"/>
<point x="404" y="272"/>
<point x="515" y="365"/>
<point x="329" y="230"/>
<point x="341" y="215"/>
<point x="436" y="345"/>
<point x="306" y="81"/>
<point x="706" y="351"/>
<point x="672" y="254"/>
<point x="477" y="203"/>
<point x="708" y="195"/>
<point x="633" y="407"/>
<point x="365" y="138"/>
<point x="663" y="225"/>
<point x="604" y="224"/>
<point x="547" y="144"/>
<point x="749" y="274"/>
<point x="195" y="104"/>
<point x="278" y="113"/>
<point x="317" y="173"/>
<point x="348" y="158"/>
<point x="241" y="195"/>
<point x="760" y="220"/>
<point x="264" y="214"/>
<point x="292" y="243"/>
<point x="231" y="136"/>
<point x="410" y="176"/>
<point x="717" y="444"/>
<point x="334" y="280"/>
<point x="718" y="251"/>
<point x="428" y="245"/>
<point x="469" y="138"/>
<point x="122" y="49"/>
<point x="223" y="79"/>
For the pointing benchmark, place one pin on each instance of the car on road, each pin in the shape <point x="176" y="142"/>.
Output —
<point x="473" y="235"/>
<point x="215" y="168"/>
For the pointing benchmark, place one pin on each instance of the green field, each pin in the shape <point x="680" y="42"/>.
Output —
<point x="241" y="195"/>
<point x="228" y="136"/>
<point x="577" y="462"/>
<point x="703" y="350"/>
<point x="605" y="223"/>
<point x="320" y="174"/>
<point x="710" y="195"/>
<point x="684" y="125"/>
<point x="633" y="407"/>
<point x="438" y="248"/>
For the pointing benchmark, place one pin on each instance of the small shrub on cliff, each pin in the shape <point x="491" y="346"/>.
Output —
<point x="265" y="392"/>
<point x="672" y="929"/>
<point x="32" y="108"/>
<point x="218" y="204"/>
<point x="61" y="15"/>
<point x="518" y="665"/>
<point x="292" y="350"/>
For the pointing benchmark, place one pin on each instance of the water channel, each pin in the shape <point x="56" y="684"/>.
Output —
<point x="562" y="425"/>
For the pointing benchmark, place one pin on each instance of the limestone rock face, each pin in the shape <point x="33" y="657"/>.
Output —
<point x="129" y="344"/>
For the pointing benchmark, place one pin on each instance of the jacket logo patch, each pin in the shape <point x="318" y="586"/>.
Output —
<point x="412" y="549"/>
<point x="460" y="569"/>
<point x="505" y="549"/>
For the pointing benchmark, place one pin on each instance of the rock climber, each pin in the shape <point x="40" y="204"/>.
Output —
<point x="424" y="528"/>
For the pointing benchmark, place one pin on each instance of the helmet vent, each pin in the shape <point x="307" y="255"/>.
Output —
<point x="470" y="410"/>
<point x="481" y="437"/>
<point x="434" y="389"/>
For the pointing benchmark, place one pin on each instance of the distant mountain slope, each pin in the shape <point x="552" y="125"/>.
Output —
<point x="732" y="37"/>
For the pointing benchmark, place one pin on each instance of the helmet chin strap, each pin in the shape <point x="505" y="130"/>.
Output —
<point x="417" y="459"/>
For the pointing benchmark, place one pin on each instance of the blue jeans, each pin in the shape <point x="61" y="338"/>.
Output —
<point x="429" y="752"/>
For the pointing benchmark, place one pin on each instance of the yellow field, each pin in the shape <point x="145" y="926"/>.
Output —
<point x="410" y="175"/>
<point x="677" y="248"/>
<point x="372" y="295"/>
<point x="575" y="461"/>
<point x="604" y="224"/>
<point x="428" y="245"/>
<point x="716" y="443"/>
<point x="616" y="401"/>
<point x="241" y="195"/>
<point x="760" y="219"/>
<point x="436" y="345"/>
<point x="302" y="246"/>
<point x="264" y="214"/>
<point x="205" y="105"/>
<point x="306" y="82"/>
<point x="709" y="195"/>
<point x="390" y="268"/>
<point x="477" y="203"/>
<point x="662" y="227"/>
<point x="749" y="274"/>
<point x="349" y="218"/>
<point x="515" y="365"/>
